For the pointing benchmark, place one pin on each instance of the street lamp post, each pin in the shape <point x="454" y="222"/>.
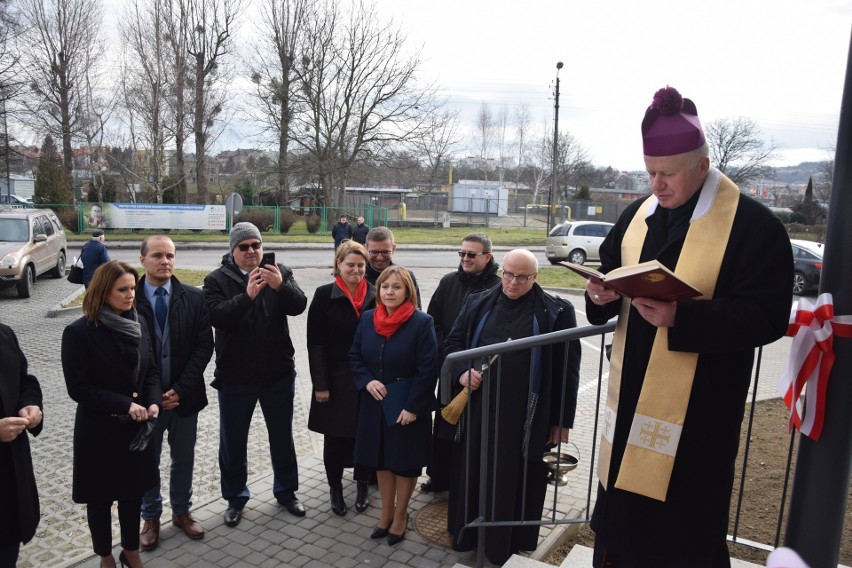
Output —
<point x="555" y="147"/>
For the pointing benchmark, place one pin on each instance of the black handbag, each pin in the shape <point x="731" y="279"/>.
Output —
<point x="76" y="274"/>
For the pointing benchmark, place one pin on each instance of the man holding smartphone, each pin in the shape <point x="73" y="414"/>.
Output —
<point x="249" y="305"/>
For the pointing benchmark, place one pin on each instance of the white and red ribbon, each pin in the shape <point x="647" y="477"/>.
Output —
<point x="808" y="367"/>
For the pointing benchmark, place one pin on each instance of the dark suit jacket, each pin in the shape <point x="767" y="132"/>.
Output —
<point x="190" y="342"/>
<point x="102" y="383"/>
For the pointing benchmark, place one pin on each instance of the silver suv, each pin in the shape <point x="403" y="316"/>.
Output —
<point x="576" y="241"/>
<point x="32" y="242"/>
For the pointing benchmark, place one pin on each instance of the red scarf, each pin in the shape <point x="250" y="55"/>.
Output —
<point x="386" y="325"/>
<point x="360" y="293"/>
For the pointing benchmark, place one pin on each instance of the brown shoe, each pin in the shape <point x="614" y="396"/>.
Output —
<point x="149" y="538"/>
<point x="190" y="526"/>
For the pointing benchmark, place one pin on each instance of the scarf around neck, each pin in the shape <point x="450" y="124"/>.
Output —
<point x="360" y="293"/>
<point x="128" y="332"/>
<point x="386" y="325"/>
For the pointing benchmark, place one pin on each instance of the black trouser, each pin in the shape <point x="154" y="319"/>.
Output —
<point x="338" y="453"/>
<point x="9" y="555"/>
<point x="100" y="525"/>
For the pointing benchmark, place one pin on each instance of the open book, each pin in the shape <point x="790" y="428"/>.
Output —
<point x="644" y="280"/>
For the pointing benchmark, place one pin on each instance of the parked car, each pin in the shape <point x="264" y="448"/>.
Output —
<point x="807" y="265"/>
<point x="576" y="241"/>
<point x="6" y="199"/>
<point x="32" y="243"/>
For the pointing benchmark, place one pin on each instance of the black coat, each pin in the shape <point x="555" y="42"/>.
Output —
<point x="100" y="380"/>
<point x="331" y="324"/>
<point x="359" y="233"/>
<point x="410" y="354"/>
<point x="449" y="297"/>
<point x="253" y="344"/>
<point x="190" y="342"/>
<point x="445" y="306"/>
<point x="750" y="307"/>
<point x="93" y="254"/>
<point x="17" y="390"/>
<point x="520" y="495"/>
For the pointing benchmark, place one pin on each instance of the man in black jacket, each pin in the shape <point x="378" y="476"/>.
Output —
<point x="359" y="233"/>
<point x="179" y="326"/>
<point x="477" y="271"/>
<point x="533" y="391"/>
<point x="249" y="305"/>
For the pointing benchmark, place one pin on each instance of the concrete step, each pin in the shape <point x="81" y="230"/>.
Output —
<point x="581" y="557"/>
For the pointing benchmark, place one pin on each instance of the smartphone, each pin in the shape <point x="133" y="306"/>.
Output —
<point x="268" y="258"/>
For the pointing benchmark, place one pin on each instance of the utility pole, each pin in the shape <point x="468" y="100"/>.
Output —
<point x="555" y="148"/>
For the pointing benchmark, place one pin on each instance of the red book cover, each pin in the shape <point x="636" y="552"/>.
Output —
<point x="644" y="280"/>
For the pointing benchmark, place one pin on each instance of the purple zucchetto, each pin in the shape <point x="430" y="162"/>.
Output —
<point x="671" y="125"/>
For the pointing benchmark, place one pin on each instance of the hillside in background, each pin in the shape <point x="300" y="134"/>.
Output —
<point x="799" y="174"/>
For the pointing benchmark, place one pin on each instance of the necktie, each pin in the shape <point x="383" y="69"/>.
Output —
<point x="161" y="310"/>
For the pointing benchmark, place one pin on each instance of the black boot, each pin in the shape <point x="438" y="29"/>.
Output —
<point x="338" y="505"/>
<point x="362" y="496"/>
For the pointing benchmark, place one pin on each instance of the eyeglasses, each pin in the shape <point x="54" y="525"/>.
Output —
<point x="469" y="254"/>
<point x="521" y="278"/>
<point x="245" y="246"/>
<point x="380" y="252"/>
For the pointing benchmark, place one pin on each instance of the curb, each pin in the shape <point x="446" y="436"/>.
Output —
<point x="59" y="310"/>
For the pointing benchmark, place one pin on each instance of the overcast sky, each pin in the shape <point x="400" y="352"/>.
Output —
<point x="778" y="62"/>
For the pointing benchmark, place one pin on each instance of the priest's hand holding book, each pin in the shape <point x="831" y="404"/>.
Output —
<point x="656" y="312"/>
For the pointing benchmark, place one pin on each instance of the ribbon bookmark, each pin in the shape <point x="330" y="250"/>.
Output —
<point x="804" y="381"/>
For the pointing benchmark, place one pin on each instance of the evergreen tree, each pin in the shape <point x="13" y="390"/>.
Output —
<point x="52" y="184"/>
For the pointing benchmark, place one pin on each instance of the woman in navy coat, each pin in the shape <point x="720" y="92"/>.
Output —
<point x="394" y="355"/>
<point x="111" y="373"/>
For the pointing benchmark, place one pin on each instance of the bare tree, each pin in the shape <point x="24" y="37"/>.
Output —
<point x="522" y="127"/>
<point x="177" y="73"/>
<point x="502" y="133"/>
<point x="572" y="162"/>
<point x="485" y="137"/>
<point x="144" y="86"/>
<point x="273" y="71"/>
<point x="209" y="25"/>
<point x="737" y="149"/>
<point x="439" y="140"/>
<point x="360" y="92"/>
<point x="60" y="48"/>
<point x="12" y="81"/>
<point x="540" y="162"/>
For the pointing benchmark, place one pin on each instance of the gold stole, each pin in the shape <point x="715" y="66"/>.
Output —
<point x="648" y="460"/>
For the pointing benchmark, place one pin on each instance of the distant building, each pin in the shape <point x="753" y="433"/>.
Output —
<point x="22" y="186"/>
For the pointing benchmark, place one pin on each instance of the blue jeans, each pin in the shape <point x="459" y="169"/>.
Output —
<point x="182" y="435"/>
<point x="236" y="407"/>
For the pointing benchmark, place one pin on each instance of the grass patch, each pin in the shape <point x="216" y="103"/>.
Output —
<point x="559" y="277"/>
<point x="298" y="234"/>
<point x="189" y="277"/>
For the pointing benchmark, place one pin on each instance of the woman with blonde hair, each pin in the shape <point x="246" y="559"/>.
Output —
<point x="111" y="373"/>
<point x="394" y="360"/>
<point x="332" y="319"/>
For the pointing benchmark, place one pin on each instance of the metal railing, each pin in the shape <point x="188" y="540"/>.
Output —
<point x="479" y="356"/>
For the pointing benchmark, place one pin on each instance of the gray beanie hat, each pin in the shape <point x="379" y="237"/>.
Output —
<point x="243" y="231"/>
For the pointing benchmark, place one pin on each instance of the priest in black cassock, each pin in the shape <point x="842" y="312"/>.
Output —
<point x="535" y="409"/>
